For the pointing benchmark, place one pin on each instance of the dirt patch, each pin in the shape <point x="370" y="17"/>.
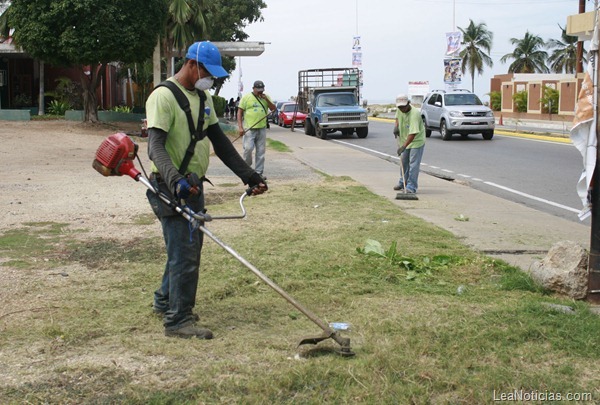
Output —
<point x="47" y="175"/>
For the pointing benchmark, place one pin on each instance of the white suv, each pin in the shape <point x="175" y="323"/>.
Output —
<point x="456" y="112"/>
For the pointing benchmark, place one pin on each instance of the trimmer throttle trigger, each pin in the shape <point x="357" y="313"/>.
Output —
<point x="249" y="191"/>
<point x="194" y="180"/>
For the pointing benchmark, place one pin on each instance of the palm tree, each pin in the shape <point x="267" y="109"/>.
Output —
<point x="528" y="55"/>
<point x="186" y="24"/>
<point x="4" y="27"/>
<point x="477" y="41"/>
<point x="564" y="54"/>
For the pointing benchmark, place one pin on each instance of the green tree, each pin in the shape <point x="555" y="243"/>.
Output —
<point x="477" y="43"/>
<point x="528" y="55"/>
<point x="186" y="24"/>
<point x="4" y="28"/>
<point x="218" y="20"/>
<point x="87" y="34"/>
<point x="227" y="21"/>
<point x="564" y="53"/>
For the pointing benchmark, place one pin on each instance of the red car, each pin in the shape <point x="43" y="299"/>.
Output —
<point x="286" y="116"/>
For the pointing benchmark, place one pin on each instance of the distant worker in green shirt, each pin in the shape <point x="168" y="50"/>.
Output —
<point x="410" y="134"/>
<point x="253" y="111"/>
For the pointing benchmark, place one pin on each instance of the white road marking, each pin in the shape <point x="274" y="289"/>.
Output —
<point x="363" y="148"/>
<point x="532" y="197"/>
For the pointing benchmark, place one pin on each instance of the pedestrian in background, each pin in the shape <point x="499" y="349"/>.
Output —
<point x="253" y="110"/>
<point x="410" y="135"/>
<point x="178" y="167"/>
<point x="231" y="109"/>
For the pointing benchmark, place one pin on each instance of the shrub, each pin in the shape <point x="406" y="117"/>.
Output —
<point x="67" y="91"/>
<point x="549" y="101"/>
<point x="142" y="75"/>
<point x="58" y="107"/>
<point x="520" y="100"/>
<point x="121" y="109"/>
<point x="22" y="100"/>
<point x="219" y="103"/>
<point x="495" y="100"/>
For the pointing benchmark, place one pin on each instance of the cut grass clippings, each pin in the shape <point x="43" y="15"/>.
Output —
<point x="432" y="321"/>
<point x="277" y="145"/>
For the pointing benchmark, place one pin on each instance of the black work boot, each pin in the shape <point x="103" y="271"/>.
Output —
<point x="190" y="331"/>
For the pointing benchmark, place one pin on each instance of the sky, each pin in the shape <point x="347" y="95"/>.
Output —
<point x="401" y="40"/>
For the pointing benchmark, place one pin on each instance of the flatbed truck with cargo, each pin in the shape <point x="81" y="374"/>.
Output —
<point x="331" y="100"/>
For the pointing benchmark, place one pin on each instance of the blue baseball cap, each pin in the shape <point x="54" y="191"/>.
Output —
<point x="207" y="53"/>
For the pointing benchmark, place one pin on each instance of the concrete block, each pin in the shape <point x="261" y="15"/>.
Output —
<point x="15" y="115"/>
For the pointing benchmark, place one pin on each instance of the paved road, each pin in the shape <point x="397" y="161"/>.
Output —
<point x="540" y="172"/>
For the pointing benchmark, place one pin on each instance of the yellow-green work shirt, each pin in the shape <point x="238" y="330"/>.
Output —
<point x="163" y="112"/>
<point x="408" y="124"/>
<point x="255" y="109"/>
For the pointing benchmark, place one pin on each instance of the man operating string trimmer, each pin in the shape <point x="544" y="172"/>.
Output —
<point x="179" y="149"/>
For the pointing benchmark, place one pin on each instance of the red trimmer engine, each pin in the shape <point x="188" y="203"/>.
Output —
<point x="115" y="157"/>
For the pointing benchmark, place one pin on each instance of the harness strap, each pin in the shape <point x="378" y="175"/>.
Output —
<point x="196" y="133"/>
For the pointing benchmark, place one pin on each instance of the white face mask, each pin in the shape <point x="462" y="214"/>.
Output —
<point x="204" y="83"/>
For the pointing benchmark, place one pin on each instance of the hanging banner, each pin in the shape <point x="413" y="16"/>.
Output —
<point x="452" y="71"/>
<point x="453" y="41"/>
<point x="357" y="59"/>
<point x="356" y="52"/>
<point x="356" y="44"/>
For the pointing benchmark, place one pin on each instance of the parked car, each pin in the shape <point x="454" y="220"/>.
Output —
<point x="274" y="115"/>
<point x="286" y="115"/>
<point x="456" y="112"/>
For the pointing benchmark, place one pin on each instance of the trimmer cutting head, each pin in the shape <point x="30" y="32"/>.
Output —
<point x="345" y="350"/>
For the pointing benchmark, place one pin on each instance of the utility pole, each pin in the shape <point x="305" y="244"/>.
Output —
<point x="593" y="292"/>
<point x="356" y="17"/>
<point x="454" y="15"/>
<point x="579" y="64"/>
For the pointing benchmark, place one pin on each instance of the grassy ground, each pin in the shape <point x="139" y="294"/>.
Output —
<point x="432" y="322"/>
